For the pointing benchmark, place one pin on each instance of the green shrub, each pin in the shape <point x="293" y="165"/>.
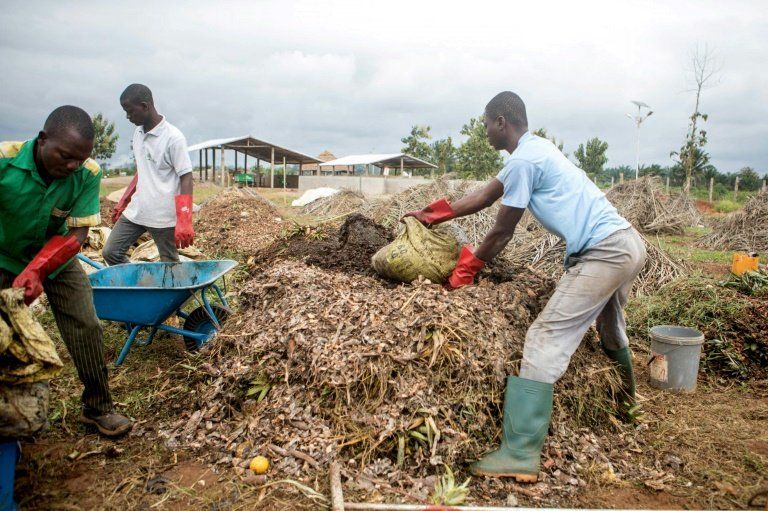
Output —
<point x="726" y="206"/>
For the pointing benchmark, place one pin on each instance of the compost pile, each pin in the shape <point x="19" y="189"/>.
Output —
<point x="642" y="202"/>
<point x="322" y="364"/>
<point x="236" y="222"/>
<point x="746" y="229"/>
<point x="347" y="248"/>
<point x="342" y="203"/>
<point x="106" y="207"/>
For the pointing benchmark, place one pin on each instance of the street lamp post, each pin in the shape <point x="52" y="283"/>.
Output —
<point x="639" y="118"/>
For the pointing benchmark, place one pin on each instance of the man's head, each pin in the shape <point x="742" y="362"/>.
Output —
<point x="505" y="120"/>
<point x="65" y="142"/>
<point x="138" y="104"/>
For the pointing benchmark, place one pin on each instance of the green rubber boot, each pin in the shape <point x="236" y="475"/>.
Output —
<point x="623" y="358"/>
<point x="527" y="410"/>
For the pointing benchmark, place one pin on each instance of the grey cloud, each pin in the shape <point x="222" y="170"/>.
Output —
<point x="354" y="76"/>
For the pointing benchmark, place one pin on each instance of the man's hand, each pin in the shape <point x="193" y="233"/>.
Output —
<point x="466" y="269"/>
<point x="55" y="253"/>
<point x="437" y="212"/>
<point x="185" y="234"/>
<point x="125" y="199"/>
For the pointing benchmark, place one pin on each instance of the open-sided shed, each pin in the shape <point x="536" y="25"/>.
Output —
<point x="248" y="146"/>
<point x="385" y="162"/>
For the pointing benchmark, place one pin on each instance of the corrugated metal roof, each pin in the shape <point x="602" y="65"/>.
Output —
<point x="256" y="148"/>
<point x="389" y="160"/>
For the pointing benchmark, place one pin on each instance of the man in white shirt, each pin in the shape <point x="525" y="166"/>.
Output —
<point x="159" y="198"/>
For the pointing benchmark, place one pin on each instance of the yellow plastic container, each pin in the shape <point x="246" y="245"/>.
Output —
<point x="743" y="263"/>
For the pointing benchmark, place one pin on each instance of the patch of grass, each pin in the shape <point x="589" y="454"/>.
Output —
<point x="726" y="206"/>
<point x="107" y="188"/>
<point x="204" y="191"/>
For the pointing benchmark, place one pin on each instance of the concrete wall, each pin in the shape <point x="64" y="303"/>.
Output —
<point x="370" y="185"/>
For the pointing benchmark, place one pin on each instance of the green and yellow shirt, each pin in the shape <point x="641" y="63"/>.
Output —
<point x="32" y="212"/>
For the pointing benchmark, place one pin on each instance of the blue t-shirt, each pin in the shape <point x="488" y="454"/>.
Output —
<point x="539" y="177"/>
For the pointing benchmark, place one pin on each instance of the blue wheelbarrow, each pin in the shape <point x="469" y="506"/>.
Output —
<point x="145" y="295"/>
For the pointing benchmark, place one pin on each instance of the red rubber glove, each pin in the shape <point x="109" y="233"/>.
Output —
<point x="185" y="234"/>
<point x="56" y="252"/>
<point x="437" y="212"/>
<point x="125" y="199"/>
<point x="466" y="269"/>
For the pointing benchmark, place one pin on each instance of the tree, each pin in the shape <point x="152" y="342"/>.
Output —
<point x="749" y="179"/>
<point x="592" y="159"/>
<point x="444" y="155"/>
<point x="416" y="143"/>
<point x="692" y="166"/>
<point x="703" y="70"/>
<point x="476" y="157"/>
<point x="105" y="138"/>
<point x="542" y="132"/>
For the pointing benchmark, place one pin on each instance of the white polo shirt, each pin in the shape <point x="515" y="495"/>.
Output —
<point x="161" y="159"/>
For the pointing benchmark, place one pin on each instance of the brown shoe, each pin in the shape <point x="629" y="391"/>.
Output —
<point x="109" y="424"/>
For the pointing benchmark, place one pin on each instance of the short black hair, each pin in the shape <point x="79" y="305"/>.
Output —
<point x="69" y="117"/>
<point x="137" y="93"/>
<point x="508" y="105"/>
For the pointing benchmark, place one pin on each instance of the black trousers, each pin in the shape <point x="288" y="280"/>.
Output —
<point x="71" y="299"/>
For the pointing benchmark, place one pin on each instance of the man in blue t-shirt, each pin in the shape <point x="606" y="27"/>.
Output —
<point x="603" y="255"/>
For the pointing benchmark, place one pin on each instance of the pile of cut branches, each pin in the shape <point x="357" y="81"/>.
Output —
<point x="746" y="229"/>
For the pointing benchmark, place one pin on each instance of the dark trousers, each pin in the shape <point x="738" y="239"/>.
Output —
<point x="125" y="233"/>
<point x="71" y="299"/>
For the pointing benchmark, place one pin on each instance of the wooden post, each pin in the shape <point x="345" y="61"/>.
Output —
<point x="711" y="188"/>
<point x="285" y="177"/>
<point x="402" y="166"/>
<point x="206" y="164"/>
<point x="200" y="163"/>
<point x="272" y="169"/>
<point x="235" y="161"/>
<point x="621" y="178"/>
<point x="245" y="163"/>
<point x="613" y="179"/>
<point x="667" y="185"/>
<point x="736" y="189"/>
<point x="258" y="170"/>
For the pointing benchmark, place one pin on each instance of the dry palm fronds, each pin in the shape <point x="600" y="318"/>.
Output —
<point x="355" y="368"/>
<point x="746" y="229"/>
<point x="642" y="203"/>
<point x="341" y="203"/>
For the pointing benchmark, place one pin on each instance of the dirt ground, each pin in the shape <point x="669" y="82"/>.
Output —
<point x="709" y="447"/>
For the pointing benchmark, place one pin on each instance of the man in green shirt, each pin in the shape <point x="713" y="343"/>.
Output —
<point x="49" y="197"/>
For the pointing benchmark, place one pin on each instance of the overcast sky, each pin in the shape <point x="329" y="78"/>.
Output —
<point x="353" y="77"/>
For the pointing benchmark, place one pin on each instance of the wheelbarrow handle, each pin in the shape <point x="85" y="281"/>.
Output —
<point x="90" y="261"/>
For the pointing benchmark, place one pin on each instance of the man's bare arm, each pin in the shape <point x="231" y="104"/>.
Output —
<point x="80" y="233"/>
<point x="479" y="199"/>
<point x="185" y="184"/>
<point x="500" y="234"/>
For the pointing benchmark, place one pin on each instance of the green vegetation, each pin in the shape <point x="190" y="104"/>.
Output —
<point x="726" y="206"/>
<point x="592" y="158"/>
<point x="105" y="139"/>
<point x="698" y="302"/>
<point x="476" y="158"/>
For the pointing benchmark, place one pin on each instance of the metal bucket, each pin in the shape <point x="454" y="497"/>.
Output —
<point x="675" y="352"/>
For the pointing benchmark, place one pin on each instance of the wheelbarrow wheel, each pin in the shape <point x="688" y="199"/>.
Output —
<point x="198" y="321"/>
